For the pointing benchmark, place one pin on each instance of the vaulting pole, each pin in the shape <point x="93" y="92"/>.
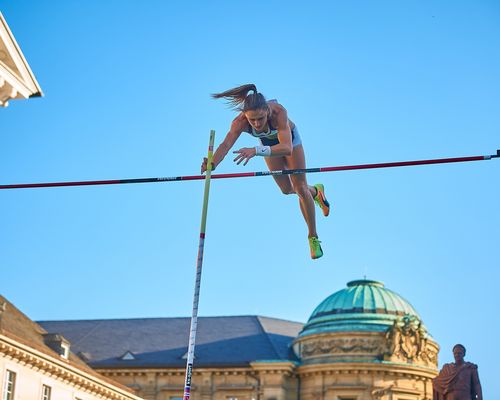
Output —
<point x="250" y="174"/>
<point x="199" y="264"/>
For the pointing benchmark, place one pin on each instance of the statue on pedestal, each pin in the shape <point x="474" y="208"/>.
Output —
<point x="458" y="380"/>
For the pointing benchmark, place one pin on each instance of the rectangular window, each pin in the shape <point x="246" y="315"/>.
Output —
<point x="46" y="390"/>
<point x="10" y="386"/>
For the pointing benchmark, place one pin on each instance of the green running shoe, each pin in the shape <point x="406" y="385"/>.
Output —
<point x="320" y="199"/>
<point x="316" y="251"/>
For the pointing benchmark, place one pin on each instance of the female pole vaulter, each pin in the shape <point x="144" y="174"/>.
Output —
<point x="281" y="147"/>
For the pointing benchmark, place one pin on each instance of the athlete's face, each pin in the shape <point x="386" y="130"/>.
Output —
<point x="257" y="119"/>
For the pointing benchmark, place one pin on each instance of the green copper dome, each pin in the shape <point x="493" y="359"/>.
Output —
<point x="364" y="305"/>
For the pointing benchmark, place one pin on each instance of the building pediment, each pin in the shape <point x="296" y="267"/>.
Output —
<point x="17" y="81"/>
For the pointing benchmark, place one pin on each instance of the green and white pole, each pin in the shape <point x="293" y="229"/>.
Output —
<point x="199" y="264"/>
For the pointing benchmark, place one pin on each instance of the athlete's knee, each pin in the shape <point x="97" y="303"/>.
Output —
<point x="285" y="185"/>
<point x="301" y="189"/>
<point x="287" y="190"/>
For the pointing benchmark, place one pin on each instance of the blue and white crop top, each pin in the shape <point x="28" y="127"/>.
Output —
<point x="271" y="134"/>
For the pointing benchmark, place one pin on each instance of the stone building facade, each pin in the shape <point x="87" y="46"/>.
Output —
<point x="364" y="342"/>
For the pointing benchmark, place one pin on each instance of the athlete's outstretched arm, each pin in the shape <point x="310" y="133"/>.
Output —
<point x="234" y="133"/>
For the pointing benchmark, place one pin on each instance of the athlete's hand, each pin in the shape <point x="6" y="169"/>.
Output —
<point x="244" y="154"/>
<point x="204" y="165"/>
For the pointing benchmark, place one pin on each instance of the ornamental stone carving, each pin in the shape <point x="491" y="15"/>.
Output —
<point x="407" y="341"/>
<point x="341" y="345"/>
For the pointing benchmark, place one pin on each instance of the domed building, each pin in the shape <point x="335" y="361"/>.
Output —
<point x="364" y="342"/>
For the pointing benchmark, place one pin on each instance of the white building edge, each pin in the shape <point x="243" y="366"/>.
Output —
<point x="17" y="81"/>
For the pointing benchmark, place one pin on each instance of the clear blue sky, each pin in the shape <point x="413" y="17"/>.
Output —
<point x="127" y="87"/>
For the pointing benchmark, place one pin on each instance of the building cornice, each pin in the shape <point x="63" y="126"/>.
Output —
<point x="390" y="369"/>
<point x="173" y="371"/>
<point x="280" y="367"/>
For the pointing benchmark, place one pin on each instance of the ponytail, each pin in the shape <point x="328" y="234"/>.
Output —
<point x="240" y="99"/>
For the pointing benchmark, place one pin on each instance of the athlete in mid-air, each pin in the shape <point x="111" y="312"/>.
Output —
<point x="281" y="148"/>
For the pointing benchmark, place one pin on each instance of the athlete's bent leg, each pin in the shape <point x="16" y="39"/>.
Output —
<point x="283" y="181"/>
<point x="299" y="182"/>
